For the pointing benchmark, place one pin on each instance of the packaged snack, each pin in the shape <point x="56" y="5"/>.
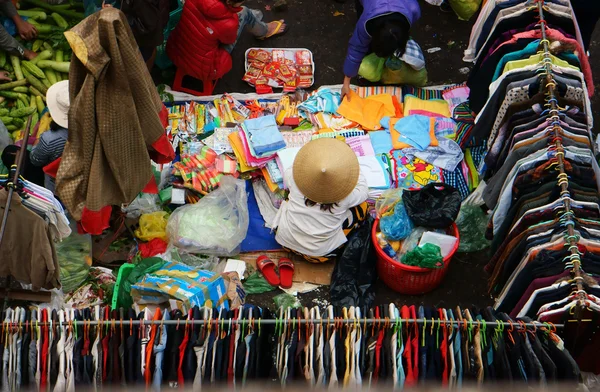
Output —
<point x="287" y="74"/>
<point x="305" y="81"/>
<point x="305" y="70"/>
<point x="278" y="55"/>
<point x="303" y="57"/>
<point x="256" y="64"/>
<point x="259" y="55"/>
<point x="271" y="70"/>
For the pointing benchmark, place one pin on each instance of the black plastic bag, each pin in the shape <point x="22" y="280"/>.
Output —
<point x="436" y="205"/>
<point x="355" y="273"/>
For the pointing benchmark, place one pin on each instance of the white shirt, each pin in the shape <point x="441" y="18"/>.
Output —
<point x="310" y="231"/>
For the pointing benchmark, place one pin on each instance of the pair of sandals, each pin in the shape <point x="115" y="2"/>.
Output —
<point x="285" y="266"/>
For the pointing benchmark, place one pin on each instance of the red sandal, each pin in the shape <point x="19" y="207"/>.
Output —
<point x="286" y="272"/>
<point x="267" y="267"/>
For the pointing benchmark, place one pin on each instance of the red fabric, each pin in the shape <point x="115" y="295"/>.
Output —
<point x="164" y="116"/>
<point x="196" y="44"/>
<point x="150" y="347"/>
<point x="162" y="150"/>
<point x="52" y="168"/>
<point x="152" y="248"/>
<point x="151" y="187"/>
<point x="104" y="357"/>
<point x="44" y="378"/>
<point x="94" y="222"/>
<point x="411" y="348"/>
<point x="444" y="351"/>
<point x="182" y="346"/>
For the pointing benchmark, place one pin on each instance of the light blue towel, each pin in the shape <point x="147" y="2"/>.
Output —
<point x="264" y="136"/>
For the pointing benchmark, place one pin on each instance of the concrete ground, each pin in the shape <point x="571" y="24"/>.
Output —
<point x="324" y="27"/>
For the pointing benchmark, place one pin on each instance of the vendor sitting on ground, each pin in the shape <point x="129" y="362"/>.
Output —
<point x="51" y="144"/>
<point x="383" y="28"/>
<point x="327" y="200"/>
<point x="204" y="38"/>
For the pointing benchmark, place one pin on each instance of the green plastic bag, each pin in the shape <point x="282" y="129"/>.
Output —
<point x="256" y="284"/>
<point x="465" y="9"/>
<point x="404" y="75"/>
<point x="426" y="256"/>
<point x="472" y="224"/>
<point x="371" y="68"/>
<point x="131" y="277"/>
<point x="74" y="260"/>
<point x="286" y="301"/>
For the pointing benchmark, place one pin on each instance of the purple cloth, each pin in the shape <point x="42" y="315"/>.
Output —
<point x="359" y="44"/>
<point x="536" y="284"/>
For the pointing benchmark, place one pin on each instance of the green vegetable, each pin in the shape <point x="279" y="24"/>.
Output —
<point x="67" y="56"/>
<point x="63" y="12"/>
<point x="8" y="67"/>
<point x="47" y="46"/>
<point x="60" y="67"/>
<point x="45" y="55"/>
<point x="9" y="94"/>
<point x="16" y="63"/>
<point x="37" y="45"/>
<point x="12" y="128"/>
<point x="24" y="98"/>
<point x="35" y="15"/>
<point x="20" y="104"/>
<point x="45" y="28"/>
<point x="60" y="21"/>
<point x="4" y="112"/>
<point x="37" y="93"/>
<point x="2" y="59"/>
<point x="59" y="56"/>
<point x="24" y="112"/>
<point x="35" y="82"/>
<point x="11" y="85"/>
<point x="32" y="102"/>
<point x="34" y="120"/>
<point x="33" y="69"/>
<point x="6" y="120"/>
<point x="51" y="75"/>
<point x="18" y="122"/>
<point x="40" y="104"/>
<point x="21" y="89"/>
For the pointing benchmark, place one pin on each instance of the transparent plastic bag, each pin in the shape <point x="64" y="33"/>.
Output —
<point x="371" y="67"/>
<point x="472" y="224"/>
<point x="216" y="225"/>
<point x="387" y="201"/>
<point x="412" y="241"/>
<point x="153" y="225"/>
<point x="426" y="256"/>
<point x="74" y="260"/>
<point x="201" y="261"/>
<point x="396" y="225"/>
<point x="145" y="203"/>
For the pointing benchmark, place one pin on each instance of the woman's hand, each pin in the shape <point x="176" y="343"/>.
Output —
<point x="4" y="76"/>
<point x="26" y="30"/>
<point x="346" y="88"/>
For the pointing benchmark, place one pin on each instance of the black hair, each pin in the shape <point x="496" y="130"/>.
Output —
<point x="322" y="207"/>
<point x="389" y="33"/>
<point x="54" y="126"/>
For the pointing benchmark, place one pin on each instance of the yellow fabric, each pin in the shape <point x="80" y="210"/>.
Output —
<point x="367" y="113"/>
<point x="388" y="104"/>
<point x="398" y="145"/>
<point x="430" y="105"/>
<point x="237" y="147"/>
<point x="535" y="59"/>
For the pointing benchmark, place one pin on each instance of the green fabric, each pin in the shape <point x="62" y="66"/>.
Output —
<point x="145" y="266"/>
<point x="535" y="59"/>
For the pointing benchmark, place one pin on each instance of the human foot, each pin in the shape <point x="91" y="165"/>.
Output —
<point x="277" y="27"/>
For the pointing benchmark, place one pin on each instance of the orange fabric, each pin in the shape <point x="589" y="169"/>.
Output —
<point x="388" y="103"/>
<point x="272" y="186"/>
<point x="398" y="107"/>
<point x="368" y="113"/>
<point x="238" y="148"/>
<point x="398" y="145"/>
<point x="150" y="347"/>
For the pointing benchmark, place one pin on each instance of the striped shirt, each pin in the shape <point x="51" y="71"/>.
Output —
<point x="50" y="147"/>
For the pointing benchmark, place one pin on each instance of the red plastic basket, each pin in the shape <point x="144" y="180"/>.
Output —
<point x="406" y="279"/>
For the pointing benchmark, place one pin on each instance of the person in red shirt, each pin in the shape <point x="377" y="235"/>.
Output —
<point x="207" y="32"/>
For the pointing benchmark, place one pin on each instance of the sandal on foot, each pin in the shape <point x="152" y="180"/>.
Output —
<point x="277" y="30"/>
<point x="286" y="273"/>
<point x="266" y="267"/>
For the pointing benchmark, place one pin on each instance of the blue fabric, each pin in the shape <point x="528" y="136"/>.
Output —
<point x="457" y="179"/>
<point x="264" y="136"/>
<point x="381" y="141"/>
<point x="159" y="354"/>
<point x="259" y="238"/>
<point x="360" y="42"/>
<point x="414" y="130"/>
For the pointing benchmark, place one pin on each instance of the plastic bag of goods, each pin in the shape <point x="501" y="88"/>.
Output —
<point x="74" y="260"/>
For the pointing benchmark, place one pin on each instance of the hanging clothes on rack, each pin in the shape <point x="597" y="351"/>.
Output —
<point x="542" y="176"/>
<point x="60" y="350"/>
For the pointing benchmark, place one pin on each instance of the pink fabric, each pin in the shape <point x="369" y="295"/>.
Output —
<point x="555" y="35"/>
<point x="250" y="159"/>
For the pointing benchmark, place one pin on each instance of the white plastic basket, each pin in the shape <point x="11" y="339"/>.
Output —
<point x="290" y="50"/>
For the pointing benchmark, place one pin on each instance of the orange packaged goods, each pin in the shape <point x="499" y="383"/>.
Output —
<point x="305" y="81"/>
<point x="287" y="73"/>
<point x="271" y="70"/>
<point x="259" y="55"/>
<point x="303" y="57"/>
<point x="305" y="70"/>
<point x="251" y="75"/>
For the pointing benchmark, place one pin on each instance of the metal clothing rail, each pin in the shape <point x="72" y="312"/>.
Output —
<point x="258" y="321"/>
<point x="563" y="180"/>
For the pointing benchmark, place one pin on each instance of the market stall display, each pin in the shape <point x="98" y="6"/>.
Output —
<point x="280" y="68"/>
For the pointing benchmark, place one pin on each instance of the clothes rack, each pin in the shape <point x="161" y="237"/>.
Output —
<point x="571" y="239"/>
<point x="11" y="186"/>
